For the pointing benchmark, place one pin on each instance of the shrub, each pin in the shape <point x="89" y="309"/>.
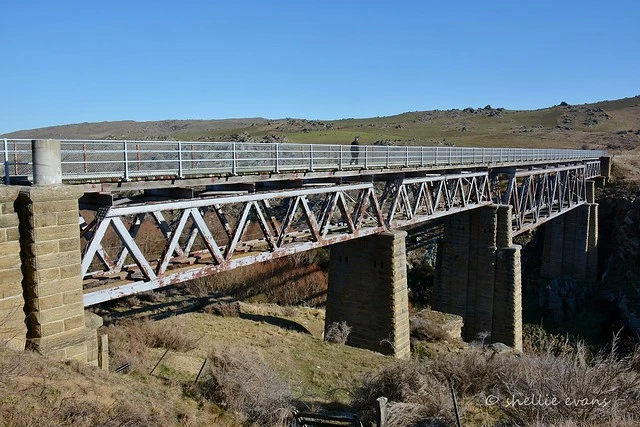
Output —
<point x="240" y="380"/>
<point x="600" y="389"/>
<point x="337" y="332"/>
<point x="425" y="330"/>
<point x="414" y="395"/>
<point x="130" y="340"/>
<point x="224" y="309"/>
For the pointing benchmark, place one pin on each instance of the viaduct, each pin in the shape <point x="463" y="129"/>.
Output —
<point x="83" y="222"/>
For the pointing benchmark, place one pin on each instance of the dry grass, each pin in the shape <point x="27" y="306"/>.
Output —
<point x="415" y="394"/>
<point x="425" y="330"/>
<point x="294" y="280"/>
<point x="36" y="391"/>
<point x="240" y="380"/>
<point x="337" y="332"/>
<point x="224" y="309"/>
<point x="570" y="388"/>
<point x="130" y="341"/>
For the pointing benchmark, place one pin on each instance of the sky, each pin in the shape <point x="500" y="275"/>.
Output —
<point x="67" y="62"/>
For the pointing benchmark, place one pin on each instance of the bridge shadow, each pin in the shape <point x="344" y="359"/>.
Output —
<point x="276" y="321"/>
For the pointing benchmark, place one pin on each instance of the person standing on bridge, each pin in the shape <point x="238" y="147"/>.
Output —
<point x="355" y="150"/>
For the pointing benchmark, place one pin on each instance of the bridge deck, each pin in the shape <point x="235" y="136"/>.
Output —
<point x="110" y="165"/>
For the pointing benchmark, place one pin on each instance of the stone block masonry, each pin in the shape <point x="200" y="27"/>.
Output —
<point x="50" y="251"/>
<point x="368" y="291"/>
<point x="13" y="330"/>
<point x="571" y="245"/>
<point x="478" y="274"/>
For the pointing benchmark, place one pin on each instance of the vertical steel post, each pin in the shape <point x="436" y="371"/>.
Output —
<point x="234" y="164"/>
<point x="126" y="161"/>
<point x="277" y="147"/>
<point x="7" y="174"/>
<point x="422" y="156"/>
<point x="406" y="156"/>
<point x="340" y="165"/>
<point x="366" y="158"/>
<point x="180" y="172"/>
<point x="84" y="157"/>
<point x="388" y="155"/>
<point x="311" y="157"/>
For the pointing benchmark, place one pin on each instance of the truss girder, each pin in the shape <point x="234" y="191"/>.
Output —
<point x="199" y="237"/>
<point x="537" y="196"/>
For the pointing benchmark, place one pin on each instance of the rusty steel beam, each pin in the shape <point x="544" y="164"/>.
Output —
<point x="206" y="235"/>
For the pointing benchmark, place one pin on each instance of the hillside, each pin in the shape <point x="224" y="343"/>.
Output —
<point x="612" y="125"/>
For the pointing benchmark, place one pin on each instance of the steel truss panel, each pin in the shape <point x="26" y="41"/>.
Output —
<point x="203" y="236"/>
<point x="208" y="235"/>
<point x="537" y="196"/>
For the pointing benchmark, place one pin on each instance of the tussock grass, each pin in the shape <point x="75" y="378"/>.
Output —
<point x="130" y="341"/>
<point x="541" y="388"/>
<point x="337" y="332"/>
<point x="239" y="379"/>
<point x="425" y="330"/>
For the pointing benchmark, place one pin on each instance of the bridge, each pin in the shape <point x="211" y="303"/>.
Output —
<point x="100" y="220"/>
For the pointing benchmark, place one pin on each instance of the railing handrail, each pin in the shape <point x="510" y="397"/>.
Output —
<point x="125" y="159"/>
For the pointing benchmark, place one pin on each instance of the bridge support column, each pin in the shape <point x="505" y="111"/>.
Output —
<point x="571" y="243"/>
<point x="50" y="251"/>
<point x="368" y="291"/>
<point x="13" y="330"/>
<point x="478" y="274"/>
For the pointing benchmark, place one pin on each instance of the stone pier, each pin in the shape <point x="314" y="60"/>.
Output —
<point x="478" y="274"/>
<point x="13" y="330"/>
<point x="368" y="291"/>
<point x="50" y="251"/>
<point x="571" y="243"/>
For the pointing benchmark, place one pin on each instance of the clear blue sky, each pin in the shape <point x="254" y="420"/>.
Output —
<point x="85" y="61"/>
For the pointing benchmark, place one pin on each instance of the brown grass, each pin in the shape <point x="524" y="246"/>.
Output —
<point x="294" y="280"/>
<point x="130" y="341"/>
<point x="588" y="389"/>
<point x="337" y="332"/>
<point x="240" y="380"/>
<point x="425" y="330"/>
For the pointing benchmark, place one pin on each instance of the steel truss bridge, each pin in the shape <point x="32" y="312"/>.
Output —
<point x="203" y="208"/>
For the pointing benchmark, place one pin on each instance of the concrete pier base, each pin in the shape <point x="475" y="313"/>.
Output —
<point x="368" y="291"/>
<point x="478" y="275"/>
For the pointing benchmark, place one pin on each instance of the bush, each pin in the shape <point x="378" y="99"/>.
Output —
<point x="239" y="379"/>
<point x="414" y="395"/>
<point x="224" y="309"/>
<point x="600" y="389"/>
<point x="130" y="340"/>
<point x="425" y="330"/>
<point x="337" y="332"/>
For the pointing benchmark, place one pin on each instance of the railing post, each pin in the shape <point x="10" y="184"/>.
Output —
<point x="311" y="157"/>
<point x="234" y="164"/>
<point x="340" y="165"/>
<point x="46" y="158"/>
<point x="126" y="161"/>
<point x="406" y="156"/>
<point x="366" y="158"/>
<point x="450" y="155"/>
<point x="7" y="174"/>
<point x="388" y="153"/>
<point x="277" y="147"/>
<point x="422" y="156"/>
<point x="84" y="157"/>
<point x="180" y="171"/>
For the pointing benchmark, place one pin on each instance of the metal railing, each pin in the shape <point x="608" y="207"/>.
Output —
<point x="124" y="160"/>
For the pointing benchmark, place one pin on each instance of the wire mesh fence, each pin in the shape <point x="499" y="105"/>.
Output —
<point x="111" y="159"/>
